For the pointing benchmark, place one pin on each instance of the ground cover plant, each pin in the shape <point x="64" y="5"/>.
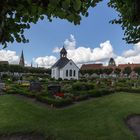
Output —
<point x="100" y="118"/>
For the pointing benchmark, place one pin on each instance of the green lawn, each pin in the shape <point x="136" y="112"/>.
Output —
<point x="96" y="119"/>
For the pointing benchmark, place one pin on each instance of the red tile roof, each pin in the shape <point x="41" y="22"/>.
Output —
<point x="122" y="66"/>
<point x="91" y="66"/>
<point x="100" y="66"/>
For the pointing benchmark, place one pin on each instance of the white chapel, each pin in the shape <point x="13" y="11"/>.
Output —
<point x="64" y="68"/>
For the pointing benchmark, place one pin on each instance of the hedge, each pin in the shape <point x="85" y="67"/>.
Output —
<point x="92" y="93"/>
<point x="55" y="102"/>
<point x="80" y="86"/>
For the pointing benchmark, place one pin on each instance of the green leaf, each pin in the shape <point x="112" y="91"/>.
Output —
<point x="66" y="4"/>
<point x="77" y="5"/>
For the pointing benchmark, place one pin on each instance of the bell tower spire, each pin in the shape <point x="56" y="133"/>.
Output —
<point x="63" y="52"/>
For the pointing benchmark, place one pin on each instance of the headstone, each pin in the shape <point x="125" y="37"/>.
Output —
<point x="35" y="86"/>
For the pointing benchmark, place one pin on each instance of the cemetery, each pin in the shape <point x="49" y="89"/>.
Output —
<point x="100" y="100"/>
<point x="86" y="87"/>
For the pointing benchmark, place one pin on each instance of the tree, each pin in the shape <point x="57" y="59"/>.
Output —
<point x="129" y="18"/>
<point x="4" y="67"/>
<point x="16" y="16"/>
<point x="107" y="71"/>
<point x="117" y="71"/>
<point x="15" y="68"/>
<point x="127" y="70"/>
<point x="137" y="70"/>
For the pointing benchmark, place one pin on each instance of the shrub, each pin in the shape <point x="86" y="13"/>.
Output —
<point x="100" y="92"/>
<point x="78" y="86"/>
<point x="67" y="88"/>
<point x="129" y="90"/>
<point x="55" y="102"/>
<point x="59" y="79"/>
<point x="81" y="97"/>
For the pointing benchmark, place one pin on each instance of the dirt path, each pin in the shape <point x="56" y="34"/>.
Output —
<point x="133" y="122"/>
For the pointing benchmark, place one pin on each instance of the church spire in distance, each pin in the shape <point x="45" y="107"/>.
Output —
<point x="21" y="62"/>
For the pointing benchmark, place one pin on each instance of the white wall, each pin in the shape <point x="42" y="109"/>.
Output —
<point x="70" y="66"/>
<point x="55" y="73"/>
<point x="61" y="73"/>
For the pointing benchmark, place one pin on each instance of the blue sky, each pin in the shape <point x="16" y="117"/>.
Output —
<point x="93" y="30"/>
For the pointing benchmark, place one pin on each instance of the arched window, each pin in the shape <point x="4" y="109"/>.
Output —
<point x="66" y="73"/>
<point x="74" y="73"/>
<point x="70" y="73"/>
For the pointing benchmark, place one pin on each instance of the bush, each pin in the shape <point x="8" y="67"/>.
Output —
<point x="67" y="88"/>
<point x="81" y="97"/>
<point x="92" y="93"/>
<point x="78" y="86"/>
<point x="59" y="79"/>
<point x="55" y="102"/>
<point x="129" y="90"/>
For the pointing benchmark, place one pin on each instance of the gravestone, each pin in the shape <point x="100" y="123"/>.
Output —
<point x="35" y="86"/>
<point x="53" y="88"/>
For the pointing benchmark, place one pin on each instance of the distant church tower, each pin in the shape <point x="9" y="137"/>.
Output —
<point x="111" y="62"/>
<point x="21" y="62"/>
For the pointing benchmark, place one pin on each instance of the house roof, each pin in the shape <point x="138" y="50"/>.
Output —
<point x="122" y="66"/>
<point x="61" y="62"/>
<point x="91" y="66"/>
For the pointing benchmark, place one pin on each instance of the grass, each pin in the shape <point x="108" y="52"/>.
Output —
<point x="96" y="119"/>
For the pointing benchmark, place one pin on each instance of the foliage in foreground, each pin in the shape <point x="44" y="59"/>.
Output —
<point x="16" y="16"/>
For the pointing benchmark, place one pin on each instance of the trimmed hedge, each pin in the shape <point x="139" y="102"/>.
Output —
<point x="55" y="102"/>
<point x="21" y="91"/>
<point x="80" y="86"/>
<point x="129" y="90"/>
<point x="82" y="95"/>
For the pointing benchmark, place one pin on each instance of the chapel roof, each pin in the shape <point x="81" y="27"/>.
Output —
<point x="61" y="62"/>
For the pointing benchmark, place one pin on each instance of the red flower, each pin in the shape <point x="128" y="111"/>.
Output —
<point x="60" y="94"/>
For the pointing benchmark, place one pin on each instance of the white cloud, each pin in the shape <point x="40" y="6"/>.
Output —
<point x="10" y="56"/>
<point x="56" y="50"/>
<point x="46" y="61"/>
<point x="130" y="56"/>
<point x="70" y="44"/>
<point x="84" y="54"/>
<point x="132" y="52"/>
<point x="80" y="54"/>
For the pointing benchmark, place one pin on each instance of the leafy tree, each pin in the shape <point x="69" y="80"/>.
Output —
<point x="137" y="70"/>
<point x="129" y="18"/>
<point x="117" y="71"/>
<point x="98" y="71"/>
<point x="127" y="70"/>
<point x="4" y="67"/>
<point x="15" y="68"/>
<point x="107" y="71"/>
<point x="16" y="16"/>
